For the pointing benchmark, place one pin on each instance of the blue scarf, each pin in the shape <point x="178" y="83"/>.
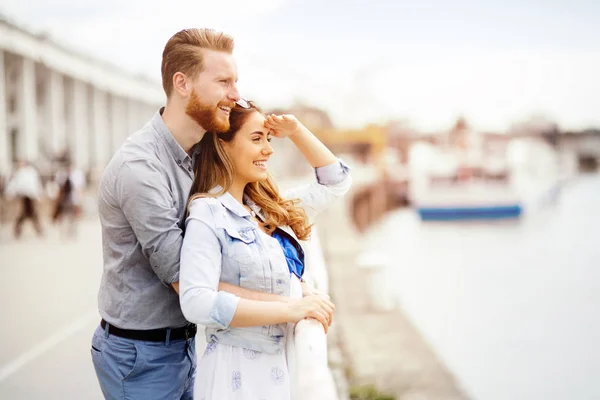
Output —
<point x="295" y="265"/>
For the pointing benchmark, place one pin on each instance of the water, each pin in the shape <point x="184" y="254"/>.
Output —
<point x="511" y="307"/>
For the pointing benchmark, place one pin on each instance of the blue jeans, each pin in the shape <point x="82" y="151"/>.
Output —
<point x="138" y="370"/>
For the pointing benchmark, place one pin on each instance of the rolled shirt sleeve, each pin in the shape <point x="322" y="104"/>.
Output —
<point x="332" y="174"/>
<point x="332" y="182"/>
<point x="200" y="300"/>
<point x="146" y="201"/>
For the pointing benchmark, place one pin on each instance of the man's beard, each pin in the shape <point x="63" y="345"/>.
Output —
<point x="207" y="116"/>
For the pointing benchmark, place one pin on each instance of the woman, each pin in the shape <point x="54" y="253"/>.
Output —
<point x="67" y="205"/>
<point x="241" y="231"/>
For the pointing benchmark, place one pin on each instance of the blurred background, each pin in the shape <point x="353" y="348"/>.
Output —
<point x="471" y="232"/>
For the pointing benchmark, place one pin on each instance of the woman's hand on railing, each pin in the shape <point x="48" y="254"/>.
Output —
<point x="318" y="307"/>
<point x="309" y="290"/>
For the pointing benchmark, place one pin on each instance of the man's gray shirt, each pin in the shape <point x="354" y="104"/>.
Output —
<point x="142" y="200"/>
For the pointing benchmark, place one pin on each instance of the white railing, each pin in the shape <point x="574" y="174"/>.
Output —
<point x="313" y="376"/>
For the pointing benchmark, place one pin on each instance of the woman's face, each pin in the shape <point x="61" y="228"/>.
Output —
<point x="250" y="150"/>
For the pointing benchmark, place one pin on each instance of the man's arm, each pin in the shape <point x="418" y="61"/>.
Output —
<point x="146" y="200"/>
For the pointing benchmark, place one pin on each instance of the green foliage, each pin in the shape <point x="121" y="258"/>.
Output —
<point x="368" y="392"/>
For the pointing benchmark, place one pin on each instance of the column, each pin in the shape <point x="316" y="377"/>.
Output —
<point x="149" y="111"/>
<point x="78" y="124"/>
<point x="55" y="104"/>
<point x="133" y="118"/>
<point x="28" y="146"/>
<point x="119" y="129"/>
<point x="5" y="156"/>
<point x="101" y="133"/>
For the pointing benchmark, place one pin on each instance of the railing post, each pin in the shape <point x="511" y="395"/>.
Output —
<point x="313" y="376"/>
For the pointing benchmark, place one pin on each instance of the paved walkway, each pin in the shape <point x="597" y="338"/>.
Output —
<point x="48" y="295"/>
<point x="49" y="311"/>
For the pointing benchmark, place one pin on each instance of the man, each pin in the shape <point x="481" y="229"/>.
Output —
<point x="144" y="348"/>
<point x="27" y="187"/>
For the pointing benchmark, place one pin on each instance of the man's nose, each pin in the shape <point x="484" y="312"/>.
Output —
<point x="234" y="94"/>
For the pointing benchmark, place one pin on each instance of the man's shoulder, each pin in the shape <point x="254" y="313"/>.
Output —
<point x="143" y="144"/>
<point x="139" y="152"/>
<point x="140" y="146"/>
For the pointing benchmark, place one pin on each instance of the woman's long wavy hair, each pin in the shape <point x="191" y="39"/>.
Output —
<point x="214" y="168"/>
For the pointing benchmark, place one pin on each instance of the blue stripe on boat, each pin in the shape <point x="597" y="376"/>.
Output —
<point x="460" y="213"/>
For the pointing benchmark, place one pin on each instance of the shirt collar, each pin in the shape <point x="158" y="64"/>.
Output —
<point x="254" y="207"/>
<point x="235" y="207"/>
<point x="230" y="203"/>
<point x="159" y="126"/>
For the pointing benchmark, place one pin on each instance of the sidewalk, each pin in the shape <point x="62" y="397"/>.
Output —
<point x="48" y="295"/>
<point x="49" y="313"/>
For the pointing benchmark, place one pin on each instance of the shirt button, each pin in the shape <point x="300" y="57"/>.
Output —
<point x="178" y="162"/>
<point x="190" y="169"/>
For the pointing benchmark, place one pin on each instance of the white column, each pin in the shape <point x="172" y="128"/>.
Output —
<point x="28" y="147"/>
<point x="5" y="156"/>
<point x="149" y="111"/>
<point x="133" y="118"/>
<point x="101" y="133"/>
<point x="78" y="124"/>
<point x="124" y="120"/>
<point x="119" y="129"/>
<point x="55" y="104"/>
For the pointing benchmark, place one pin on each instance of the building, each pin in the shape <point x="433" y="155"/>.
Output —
<point x="54" y="100"/>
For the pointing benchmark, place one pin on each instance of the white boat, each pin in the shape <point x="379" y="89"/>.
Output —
<point x="451" y="185"/>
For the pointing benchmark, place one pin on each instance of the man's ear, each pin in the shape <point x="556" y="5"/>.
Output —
<point x="181" y="84"/>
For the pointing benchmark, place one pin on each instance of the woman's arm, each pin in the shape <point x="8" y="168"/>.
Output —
<point x="249" y="294"/>
<point x="244" y="293"/>
<point x="333" y="179"/>
<point x="315" y="152"/>
<point x="258" y="313"/>
<point x="200" y="271"/>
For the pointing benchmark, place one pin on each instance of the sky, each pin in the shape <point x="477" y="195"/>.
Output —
<point x="424" y="62"/>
